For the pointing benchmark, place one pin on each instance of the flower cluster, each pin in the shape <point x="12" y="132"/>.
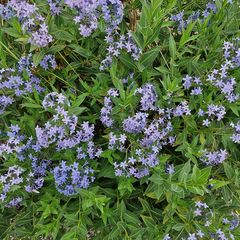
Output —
<point x="72" y="177"/>
<point x="236" y="135"/>
<point x="135" y="124"/>
<point x="107" y="109"/>
<point x="116" y="44"/>
<point x="14" y="202"/>
<point x="193" y="82"/>
<point x="35" y="178"/>
<point x="184" y="22"/>
<point x="214" y="158"/>
<point x="208" y="225"/>
<point x="14" y="144"/>
<point x="117" y="142"/>
<point x="202" y="208"/>
<point x="128" y="78"/>
<point x="32" y="21"/>
<point x="87" y="15"/>
<point x="16" y="83"/>
<point x="25" y="63"/>
<point x="5" y="101"/>
<point x="22" y="146"/>
<point x="61" y="132"/>
<point x="55" y="6"/>
<point x="8" y="181"/>
<point x="233" y="221"/>
<point x="204" y="213"/>
<point x="90" y="12"/>
<point x="181" y="109"/>
<point x="48" y="61"/>
<point x="41" y="37"/>
<point x="214" y="113"/>
<point x="220" y="77"/>
<point x="137" y="166"/>
<point x="148" y="97"/>
<point x="62" y="129"/>
<point x="149" y="133"/>
<point x="157" y="134"/>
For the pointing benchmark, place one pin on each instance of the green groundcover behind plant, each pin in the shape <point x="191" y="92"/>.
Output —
<point x="119" y="119"/>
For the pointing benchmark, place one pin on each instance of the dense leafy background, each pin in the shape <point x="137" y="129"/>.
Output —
<point x="125" y="207"/>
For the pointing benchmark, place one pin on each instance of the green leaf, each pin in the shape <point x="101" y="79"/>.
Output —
<point x="31" y="105"/>
<point x="159" y="191"/>
<point x="235" y="109"/>
<point x="178" y="227"/>
<point x="63" y="35"/>
<point x="80" y="99"/>
<point x="125" y="186"/>
<point x="80" y="50"/>
<point x="183" y="174"/>
<point x="56" y="48"/>
<point x="177" y="189"/>
<point x="186" y="35"/>
<point x="70" y="235"/>
<point x="12" y="32"/>
<point x="107" y="171"/>
<point x="157" y="179"/>
<point x="218" y="184"/>
<point x="37" y="57"/>
<point x="228" y="170"/>
<point x="77" y="110"/>
<point x="132" y="218"/>
<point x="127" y="61"/>
<point x="172" y="47"/>
<point x="200" y="176"/>
<point x="149" y="222"/>
<point x="148" y="57"/>
<point x="145" y="205"/>
<point x="196" y="190"/>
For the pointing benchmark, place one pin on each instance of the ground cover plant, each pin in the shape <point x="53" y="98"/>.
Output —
<point x="119" y="119"/>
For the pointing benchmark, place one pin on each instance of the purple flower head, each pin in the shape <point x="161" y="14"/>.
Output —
<point x="118" y="43"/>
<point x="26" y="63"/>
<point x="29" y="17"/>
<point x="182" y="109"/>
<point x="214" y="158"/>
<point x="236" y="134"/>
<point x="107" y="108"/>
<point x="5" y="101"/>
<point x="55" y="6"/>
<point x="41" y="37"/>
<point x="148" y="97"/>
<point x="52" y="100"/>
<point x="69" y="178"/>
<point x="15" y="85"/>
<point x="215" y="111"/>
<point x="14" y="202"/>
<point x="220" y="77"/>
<point x="48" y="61"/>
<point x="117" y="142"/>
<point x="183" y="21"/>
<point x="135" y="124"/>
<point x="89" y="14"/>
<point x="9" y="181"/>
<point x="169" y="169"/>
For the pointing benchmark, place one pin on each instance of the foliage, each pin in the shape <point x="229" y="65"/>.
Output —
<point x="119" y="119"/>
